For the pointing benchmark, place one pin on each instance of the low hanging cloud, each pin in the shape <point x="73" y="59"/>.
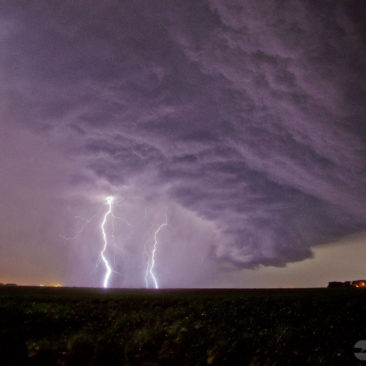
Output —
<point x="248" y="114"/>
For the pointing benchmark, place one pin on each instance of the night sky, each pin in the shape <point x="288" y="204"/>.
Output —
<point x="241" y="121"/>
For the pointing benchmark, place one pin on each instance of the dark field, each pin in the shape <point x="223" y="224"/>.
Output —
<point x="63" y="326"/>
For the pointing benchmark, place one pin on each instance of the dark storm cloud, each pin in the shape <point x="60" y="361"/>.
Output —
<point x="250" y="114"/>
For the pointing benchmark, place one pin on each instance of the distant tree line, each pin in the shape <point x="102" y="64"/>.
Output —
<point x="358" y="284"/>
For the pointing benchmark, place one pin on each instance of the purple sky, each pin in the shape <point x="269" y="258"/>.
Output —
<point x="243" y="121"/>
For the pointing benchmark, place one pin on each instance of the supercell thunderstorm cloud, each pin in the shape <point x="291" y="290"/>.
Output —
<point x="242" y="122"/>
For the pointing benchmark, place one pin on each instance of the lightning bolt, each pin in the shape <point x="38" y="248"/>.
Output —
<point x="108" y="268"/>
<point x="151" y="263"/>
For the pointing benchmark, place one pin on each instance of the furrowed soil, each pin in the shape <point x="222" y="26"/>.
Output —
<point x="70" y="326"/>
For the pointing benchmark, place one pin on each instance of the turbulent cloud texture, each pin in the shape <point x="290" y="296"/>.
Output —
<point x="247" y="115"/>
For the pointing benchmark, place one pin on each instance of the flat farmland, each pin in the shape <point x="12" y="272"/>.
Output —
<point x="79" y="326"/>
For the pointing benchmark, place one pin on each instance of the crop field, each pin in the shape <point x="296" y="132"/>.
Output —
<point x="69" y="326"/>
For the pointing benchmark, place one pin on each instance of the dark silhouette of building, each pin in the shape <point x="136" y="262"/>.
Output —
<point x="357" y="283"/>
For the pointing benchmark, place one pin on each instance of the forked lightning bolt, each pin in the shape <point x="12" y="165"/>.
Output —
<point x="108" y="268"/>
<point x="151" y="262"/>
